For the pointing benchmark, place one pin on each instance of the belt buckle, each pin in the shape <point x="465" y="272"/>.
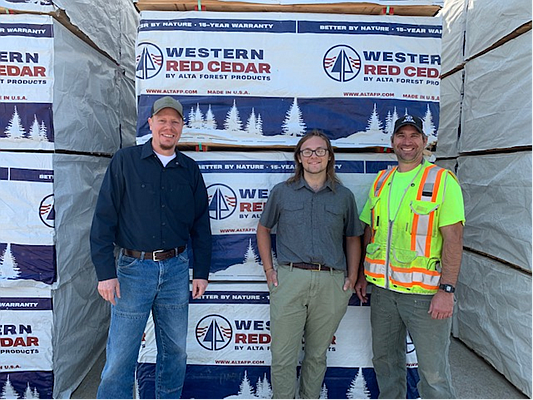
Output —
<point x="154" y="254"/>
<point x="319" y="267"/>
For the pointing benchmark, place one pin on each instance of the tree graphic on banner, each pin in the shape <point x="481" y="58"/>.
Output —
<point x="42" y="132"/>
<point x="358" y="389"/>
<point x="374" y="124"/>
<point x="30" y="394"/>
<point x="259" y="124"/>
<point x="394" y="116"/>
<point x="323" y="392"/>
<point x="35" y="130"/>
<point x="8" y="392"/>
<point x="293" y="125"/>
<point x="252" y="125"/>
<point x="196" y="118"/>
<point x="389" y="125"/>
<point x="233" y="121"/>
<point x="250" y="256"/>
<point x="263" y="390"/>
<point x="190" y="118"/>
<point x="429" y="127"/>
<point x="210" y="122"/>
<point x="8" y="265"/>
<point x="246" y="390"/>
<point x="14" y="129"/>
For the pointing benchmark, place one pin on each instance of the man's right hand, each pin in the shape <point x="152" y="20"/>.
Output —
<point x="108" y="289"/>
<point x="360" y="288"/>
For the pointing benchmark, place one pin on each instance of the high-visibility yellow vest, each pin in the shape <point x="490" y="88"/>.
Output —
<point x="404" y="253"/>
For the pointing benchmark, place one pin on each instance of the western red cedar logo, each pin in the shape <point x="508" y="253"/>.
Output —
<point x="342" y="63"/>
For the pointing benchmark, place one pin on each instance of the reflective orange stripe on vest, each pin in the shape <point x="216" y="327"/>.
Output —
<point x="426" y="192"/>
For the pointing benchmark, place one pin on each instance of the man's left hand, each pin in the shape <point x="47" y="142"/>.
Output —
<point x="441" y="305"/>
<point x="198" y="287"/>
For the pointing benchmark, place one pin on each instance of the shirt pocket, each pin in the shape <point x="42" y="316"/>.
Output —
<point x="142" y="196"/>
<point x="335" y="214"/>
<point x="293" y="214"/>
<point x="180" y="200"/>
<point x="404" y="257"/>
<point x="425" y="210"/>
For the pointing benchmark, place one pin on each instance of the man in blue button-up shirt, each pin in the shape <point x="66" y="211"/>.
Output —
<point x="153" y="200"/>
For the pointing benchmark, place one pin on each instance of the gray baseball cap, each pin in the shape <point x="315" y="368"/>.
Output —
<point x="167" y="102"/>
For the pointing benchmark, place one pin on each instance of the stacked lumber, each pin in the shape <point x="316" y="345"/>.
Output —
<point x="340" y="7"/>
<point x="485" y="135"/>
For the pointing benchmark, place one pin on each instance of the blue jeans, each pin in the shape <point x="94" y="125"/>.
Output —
<point x="391" y="314"/>
<point x="161" y="287"/>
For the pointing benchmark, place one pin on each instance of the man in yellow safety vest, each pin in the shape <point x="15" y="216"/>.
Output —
<point x="414" y="220"/>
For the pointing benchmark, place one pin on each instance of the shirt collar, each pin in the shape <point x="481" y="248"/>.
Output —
<point x="302" y="183"/>
<point x="148" y="151"/>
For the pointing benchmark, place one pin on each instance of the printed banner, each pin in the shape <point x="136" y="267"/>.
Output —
<point x="264" y="79"/>
<point x="238" y="185"/>
<point x="229" y="343"/>
<point x="27" y="250"/>
<point x="26" y="329"/>
<point x="44" y="6"/>
<point x="27" y="385"/>
<point x="26" y="82"/>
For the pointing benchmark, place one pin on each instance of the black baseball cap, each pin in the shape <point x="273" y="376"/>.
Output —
<point x="167" y="102"/>
<point x="409" y="120"/>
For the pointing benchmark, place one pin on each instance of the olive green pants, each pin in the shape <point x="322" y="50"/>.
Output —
<point x="306" y="305"/>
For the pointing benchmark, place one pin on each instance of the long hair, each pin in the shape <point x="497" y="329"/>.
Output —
<point x="330" y="169"/>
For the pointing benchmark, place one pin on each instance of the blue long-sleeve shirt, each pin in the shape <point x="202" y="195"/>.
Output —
<point x="144" y="206"/>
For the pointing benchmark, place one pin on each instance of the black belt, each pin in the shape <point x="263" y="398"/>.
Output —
<point x="311" y="267"/>
<point x="158" y="255"/>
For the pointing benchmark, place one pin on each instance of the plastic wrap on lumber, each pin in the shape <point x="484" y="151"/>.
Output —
<point x="488" y="21"/>
<point x="493" y="316"/>
<point x="497" y="196"/>
<point x="497" y="98"/>
<point x="450" y="115"/>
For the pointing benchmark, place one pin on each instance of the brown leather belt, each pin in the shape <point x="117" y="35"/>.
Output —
<point x="158" y="255"/>
<point x="311" y="267"/>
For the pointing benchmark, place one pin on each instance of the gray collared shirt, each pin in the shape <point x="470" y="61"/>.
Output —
<point x="310" y="226"/>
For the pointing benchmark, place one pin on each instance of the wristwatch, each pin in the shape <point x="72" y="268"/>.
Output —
<point x="447" y="287"/>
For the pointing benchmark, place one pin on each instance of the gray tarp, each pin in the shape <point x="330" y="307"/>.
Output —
<point x="94" y="112"/>
<point x="453" y="27"/>
<point x="86" y="97"/>
<point x="488" y="21"/>
<point x="497" y="194"/>
<point x="497" y="99"/>
<point x="111" y="25"/>
<point x="80" y="315"/>
<point x="493" y="316"/>
<point x="450" y="164"/>
<point x="450" y="115"/>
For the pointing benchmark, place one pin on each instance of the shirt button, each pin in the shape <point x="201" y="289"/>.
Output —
<point x="164" y="223"/>
<point x="162" y="206"/>
<point x="162" y="188"/>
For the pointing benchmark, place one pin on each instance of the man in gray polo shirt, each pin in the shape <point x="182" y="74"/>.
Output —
<point x="318" y="250"/>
